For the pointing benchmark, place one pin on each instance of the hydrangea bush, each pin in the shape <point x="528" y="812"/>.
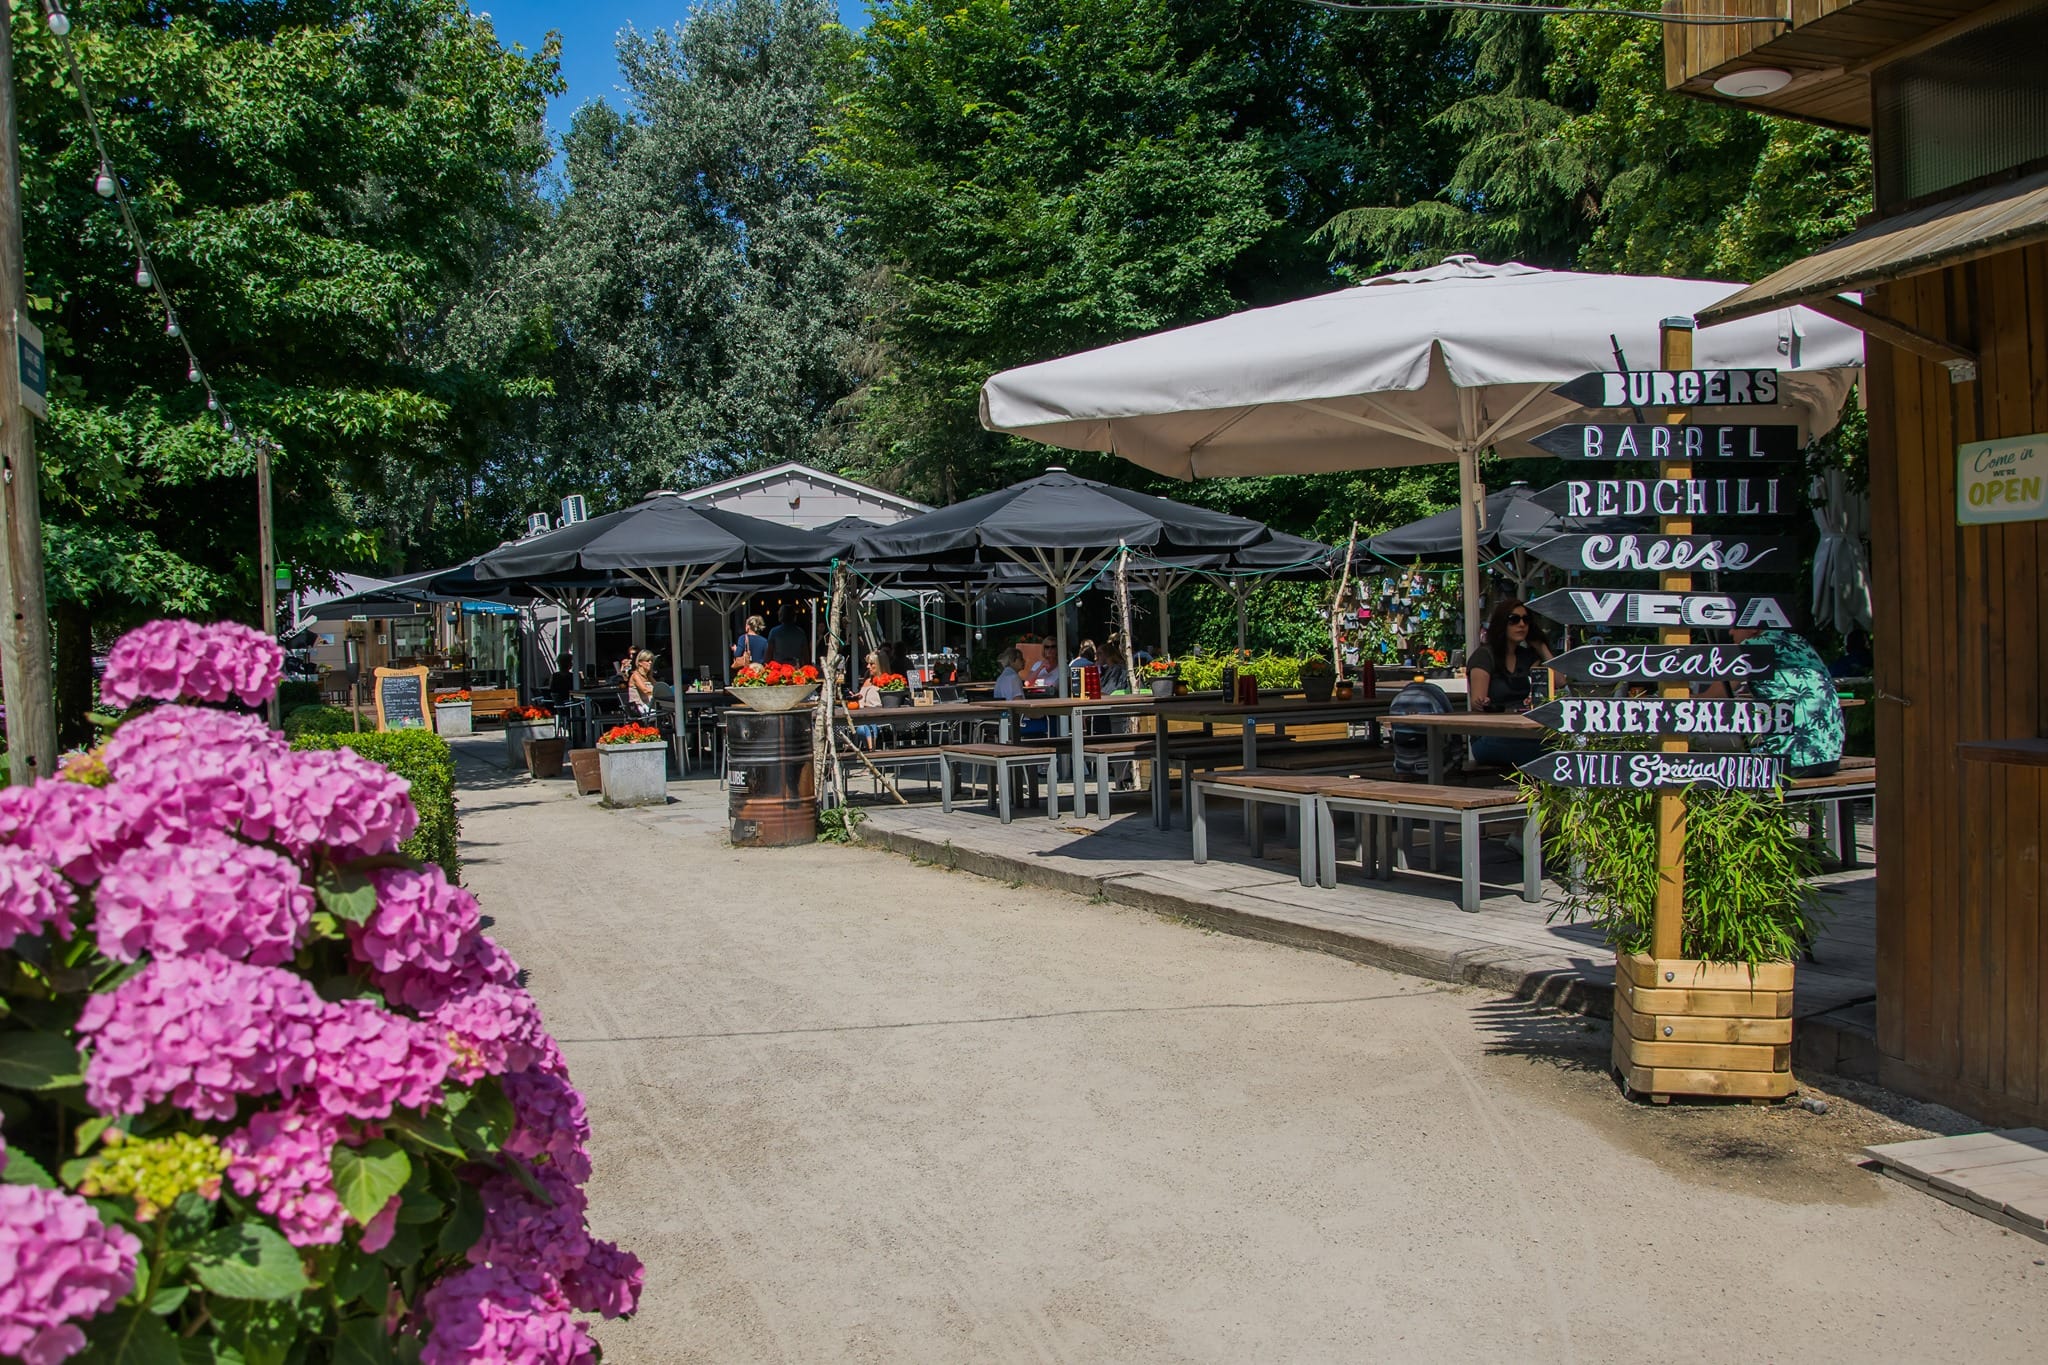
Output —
<point x="267" y="1092"/>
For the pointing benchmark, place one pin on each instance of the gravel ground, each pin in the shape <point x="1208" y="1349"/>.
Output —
<point x="852" y="1108"/>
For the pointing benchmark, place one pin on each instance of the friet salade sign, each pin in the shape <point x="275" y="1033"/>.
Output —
<point x="2002" y="480"/>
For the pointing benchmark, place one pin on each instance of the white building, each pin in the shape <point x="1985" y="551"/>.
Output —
<point x="798" y="495"/>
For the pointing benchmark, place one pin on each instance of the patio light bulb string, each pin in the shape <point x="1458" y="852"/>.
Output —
<point x="1561" y="11"/>
<point x="1072" y="597"/>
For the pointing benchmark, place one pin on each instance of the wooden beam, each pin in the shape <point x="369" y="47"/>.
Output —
<point x="1954" y="28"/>
<point x="1889" y="330"/>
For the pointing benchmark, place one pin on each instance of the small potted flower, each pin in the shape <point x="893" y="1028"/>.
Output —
<point x="1163" y="674"/>
<point x="775" y="686"/>
<point x="523" y="723"/>
<point x="1317" y="680"/>
<point x="894" y="687"/>
<point x="632" y="763"/>
<point x="451" y="713"/>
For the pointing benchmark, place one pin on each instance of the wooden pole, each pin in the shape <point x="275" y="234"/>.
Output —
<point x="1337" y="607"/>
<point x="1667" y="929"/>
<point x="266" y="567"/>
<point x="25" y="636"/>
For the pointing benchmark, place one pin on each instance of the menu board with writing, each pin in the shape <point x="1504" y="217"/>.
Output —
<point x="402" y="699"/>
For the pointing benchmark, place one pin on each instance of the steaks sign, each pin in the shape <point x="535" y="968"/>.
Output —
<point x="1686" y="716"/>
<point x="1697" y="442"/>
<point x="1666" y="663"/>
<point x="1660" y="497"/>
<point x="1672" y="389"/>
<point x="1609" y="553"/>
<point x="1656" y="772"/>
<point x="1636" y="607"/>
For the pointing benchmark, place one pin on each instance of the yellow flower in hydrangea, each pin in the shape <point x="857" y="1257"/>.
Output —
<point x="155" y="1171"/>
<point x="87" y="767"/>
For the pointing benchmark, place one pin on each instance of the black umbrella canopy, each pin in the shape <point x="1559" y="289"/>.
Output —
<point x="662" y="531"/>
<point x="1439" y="536"/>
<point x="1063" y="512"/>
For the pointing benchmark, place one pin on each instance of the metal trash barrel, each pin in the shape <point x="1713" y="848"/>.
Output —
<point x="774" y="788"/>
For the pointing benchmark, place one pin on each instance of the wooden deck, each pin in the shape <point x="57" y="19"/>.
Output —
<point x="1413" y="926"/>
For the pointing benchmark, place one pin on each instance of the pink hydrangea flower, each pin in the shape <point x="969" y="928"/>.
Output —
<point x="521" y="1231"/>
<point x="479" y="962"/>
<point x="551" y="1124"/>
<point x="371" y="1061"/>
<point x="281" y="1158"/>
<point x="332" y="799"/>
<point x="496" y="1315"/>
<point x="493" y="1030"/>
<point x="211" y="891"/>
<point x="183" y="660"/>
<point x="32" y="897"/>
<point x="420" y="921"/>
<point x="75" y="828"/>
<point x="200" y="1032"/>
<point x="607" y="1281"/>
<point x="192" y="768"/>
<point x="58" y="1263"/>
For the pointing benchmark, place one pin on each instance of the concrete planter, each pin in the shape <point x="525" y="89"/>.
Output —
<point x="517" y="732"/>
<point x="633" y="774"/>
<point x="452" y="718"/>
<point x="783" y="698"/>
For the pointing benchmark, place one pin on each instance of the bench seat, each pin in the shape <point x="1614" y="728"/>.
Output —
<point x="1001" y="760"/>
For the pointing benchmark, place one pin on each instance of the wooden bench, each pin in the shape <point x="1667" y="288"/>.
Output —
<point x="1001" y="760"/>
<point x="1295" y="795"/>
<point x="1836" y="795"/>
<point x="1383" y="808"/>
<point x="491" y="702"/>
<point x="890" y="760"/>
<point x="1102" y="756"/>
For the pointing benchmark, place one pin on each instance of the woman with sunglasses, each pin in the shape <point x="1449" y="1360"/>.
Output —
<point x="1498" y="677"/>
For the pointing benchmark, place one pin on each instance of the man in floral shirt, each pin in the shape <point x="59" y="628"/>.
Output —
<point x="1813" y="747"/>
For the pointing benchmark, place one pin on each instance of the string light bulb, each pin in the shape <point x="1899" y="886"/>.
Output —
<point x="54" y="16"/>
<point x="171" y="328"/>
<point x="193" y="374"/>
<point x="143" y="279"/>
<point x="104" y="184"/>
<point x="212" y="401"/>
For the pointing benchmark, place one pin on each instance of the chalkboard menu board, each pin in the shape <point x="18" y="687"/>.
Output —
<point x="402" y="699"/>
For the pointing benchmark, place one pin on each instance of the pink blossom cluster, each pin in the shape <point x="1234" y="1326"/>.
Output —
<point x="420" y="921"/>
<point x="502" y="1315"/>
<point x="169" y="660"/>
<point x="76" y="829"/>
<point x="494" y="1029"/>
<point x="371" y="1061"/>
<point x="332" y="799"/>
<point x="281" y="1157"/>
<point x="32" y="897"/>
<point x="549" y="1122"/>
<point x="192" y="768"/>
<point x="58" y="1264"/>
<point x="209" y="892"/>
<point x="479" y="962"/>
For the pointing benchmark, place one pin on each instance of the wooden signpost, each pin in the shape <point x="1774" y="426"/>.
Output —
<point x="1659" y="772"/>
<point x="1609" y="664"/>
<point x="1663" y="716"/>
<point x="1668" y="552"/>
<point x="1634" y="607"/>
<point x="1692" y="442"/>
<point x="401" y="695"/>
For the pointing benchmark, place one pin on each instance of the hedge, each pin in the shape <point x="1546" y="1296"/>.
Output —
<point x="292" y="695"/>
<point x="423" y="759"/>
<point x="318" y="720"/>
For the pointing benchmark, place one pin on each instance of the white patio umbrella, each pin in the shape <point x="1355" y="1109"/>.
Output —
<point x="1409" y="368"/>
<point x="1841" y="562"/>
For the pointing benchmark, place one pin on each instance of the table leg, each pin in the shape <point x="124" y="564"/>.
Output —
<point x="1468" y="859"/>
<point x="1162" y="799"/>
<point x="1305" y="824"/>
<point x="1436" y="777"/>
<point x="1326" y="845"/>
<point x="1077" y="729"/>
<point x="1251" y="743"/>
<point x="1198" y="825"/>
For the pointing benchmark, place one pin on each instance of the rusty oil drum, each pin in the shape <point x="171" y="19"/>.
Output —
<point x="774" y="789"/>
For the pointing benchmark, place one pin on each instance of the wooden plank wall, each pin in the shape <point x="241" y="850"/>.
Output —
<point x="1961" y="655"/>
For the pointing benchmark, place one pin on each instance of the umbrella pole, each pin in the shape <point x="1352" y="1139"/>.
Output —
<point x="1468" y="534"/>
<point x="1242" y="591"/>
<point x="675" y="663"/>
<point x="1165" y="622"/>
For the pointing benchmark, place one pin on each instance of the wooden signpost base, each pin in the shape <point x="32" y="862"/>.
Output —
<point x="1685" y="1027"/>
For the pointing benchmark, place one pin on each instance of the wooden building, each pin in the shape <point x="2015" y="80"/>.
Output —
<point x="1949" y="281"/>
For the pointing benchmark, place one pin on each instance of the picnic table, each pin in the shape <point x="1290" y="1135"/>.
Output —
<point x="1279" y="714"/>
<point x="1074" y="712"/>
<point x="1502" y="724"/>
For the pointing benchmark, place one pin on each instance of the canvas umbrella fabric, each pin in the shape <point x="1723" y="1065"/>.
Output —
<point x="1841" y="562"/>
<point x="1513" y="520"/>
<point x="1061" y="527"/>
<point x="1409" y="368"/>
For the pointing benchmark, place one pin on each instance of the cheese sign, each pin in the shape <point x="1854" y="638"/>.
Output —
<point x="1656" y="772"/>
<point x="1666" y="663"/>
<point x="1607" y="553"/>
<point x="1673" y="389"/>
<point x="1688" y="716"/>
<point x="2005" y="480"/>
<point x="1634" y="607"/>
<point x="1661" y="497"/>
<point x="1698" y="443"/>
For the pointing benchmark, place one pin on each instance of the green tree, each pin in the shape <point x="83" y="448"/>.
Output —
<point x="317" y="181"/>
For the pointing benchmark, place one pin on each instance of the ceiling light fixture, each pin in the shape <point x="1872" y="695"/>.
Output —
<point x="1749" y="85"/>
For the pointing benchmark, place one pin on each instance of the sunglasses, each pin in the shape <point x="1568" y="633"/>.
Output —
<point x="1518" y="618"/>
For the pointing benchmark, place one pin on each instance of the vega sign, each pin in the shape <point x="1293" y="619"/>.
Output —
<point x="1636" y="607"/>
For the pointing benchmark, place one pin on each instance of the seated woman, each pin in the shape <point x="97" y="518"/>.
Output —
<point x="1010" y="682"/>
<point x="640" y="685"/>
<point x="870" y="695"/>
<point x="1498" y="679"/>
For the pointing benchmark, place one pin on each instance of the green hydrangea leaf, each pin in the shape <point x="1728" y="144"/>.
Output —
<point x="129" y="1336"/>
<point x="362" y="1341"/>
<point x="347" y="894"/>
<point x="366" y="1177"/>
<point x="23" y="1169"/>
<point x="249" y="1261"/>
<point x="38" y="1061"/>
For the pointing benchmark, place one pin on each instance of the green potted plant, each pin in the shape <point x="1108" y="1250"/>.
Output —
<point x="1162" y="674"/>
<point x="894" y="689"/>
<point x="632" y="765"/>
<point x="1317" y="679"/>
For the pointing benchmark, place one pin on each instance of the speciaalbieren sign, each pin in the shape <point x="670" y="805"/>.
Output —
<point x="1661" y="497"/>
<point x="1639" y="607"/>
<point x="1608" y="553"/>
<point x="1664" y="716"/>
<point x="1665" y="663"/>
<point x="1654" y="772"/>
<point x="1697" y="442"/>
<point x="1673" y="389"/>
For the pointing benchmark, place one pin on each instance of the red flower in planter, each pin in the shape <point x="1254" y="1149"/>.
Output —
<point x="630" y="734"/>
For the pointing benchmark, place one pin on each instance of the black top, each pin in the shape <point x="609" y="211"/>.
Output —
<point x="1507" y="689"/>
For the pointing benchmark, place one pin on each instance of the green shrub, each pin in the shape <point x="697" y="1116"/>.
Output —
<point x="292" y="695"/>
<point x="318" y="720"/>
<point x="423" y="759"/>
<point x="1204" y="672"/>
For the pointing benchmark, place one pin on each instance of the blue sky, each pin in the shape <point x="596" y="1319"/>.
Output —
<point x="587" y="27"/>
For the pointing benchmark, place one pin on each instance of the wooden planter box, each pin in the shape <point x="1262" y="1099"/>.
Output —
<point x="1683" y="1027"/>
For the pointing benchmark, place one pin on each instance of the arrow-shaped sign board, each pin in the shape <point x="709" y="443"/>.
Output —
<point x="1700" y="443"/>
<point x="1609" y="553"/>
<point x="1636" y="607"/>
<point x="1656" y="772"/>
<point x="1666" y="663"/>
<point x="1686" y="716"/>
<point x="1673" y="389"/>
<point x="1661" y="497"/>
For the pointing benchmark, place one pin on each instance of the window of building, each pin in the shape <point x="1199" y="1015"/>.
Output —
<point x="1972" y="110"/>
